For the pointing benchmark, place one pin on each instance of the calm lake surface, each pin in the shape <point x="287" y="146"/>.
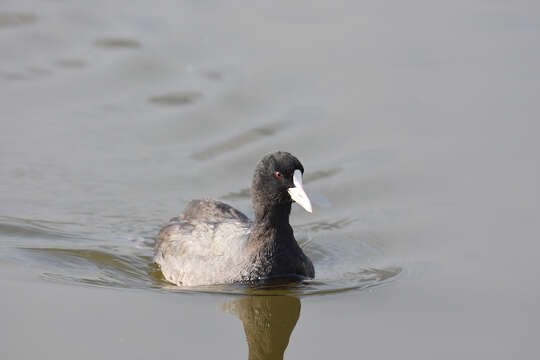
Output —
<point x="416" y="122"/>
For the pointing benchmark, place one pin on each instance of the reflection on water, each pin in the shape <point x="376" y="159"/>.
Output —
<point x="268" y="323"/>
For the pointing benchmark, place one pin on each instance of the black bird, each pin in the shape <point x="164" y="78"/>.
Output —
<point x="213" y="243"/>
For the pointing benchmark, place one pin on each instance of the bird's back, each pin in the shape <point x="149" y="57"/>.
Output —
<point x="204" y="245"/>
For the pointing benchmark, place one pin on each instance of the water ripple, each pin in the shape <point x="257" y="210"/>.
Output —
<point x="109" y="268"/>
<point x="16" y="19"/>
<point x="240" y="140"/>
<point x="117" y="43"/>
<point x="29" y="228"/>
<point x="176" y="98"/>
<point x="341" y="263"/>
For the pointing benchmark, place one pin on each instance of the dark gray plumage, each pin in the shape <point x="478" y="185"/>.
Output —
<point x="213" y="243"/>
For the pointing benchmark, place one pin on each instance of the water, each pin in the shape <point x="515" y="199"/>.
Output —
<point x="417" y="126"/>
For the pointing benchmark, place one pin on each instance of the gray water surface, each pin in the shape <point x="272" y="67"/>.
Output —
<point x="416" y="122"/>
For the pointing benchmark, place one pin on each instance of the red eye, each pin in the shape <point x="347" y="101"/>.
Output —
<point x="279" y="175"/>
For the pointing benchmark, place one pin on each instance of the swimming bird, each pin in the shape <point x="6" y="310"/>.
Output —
<point x="213" y="243"/>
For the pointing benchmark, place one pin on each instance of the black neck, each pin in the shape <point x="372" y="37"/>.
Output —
<point x="271" y="242"/>
<point x="271" y="228"/>
<point x="273" y="216"/>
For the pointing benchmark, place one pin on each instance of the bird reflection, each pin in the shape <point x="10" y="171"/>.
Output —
<point x="268" y="323"/>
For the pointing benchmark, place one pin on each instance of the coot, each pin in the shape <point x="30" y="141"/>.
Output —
<point x="213" y="243"/>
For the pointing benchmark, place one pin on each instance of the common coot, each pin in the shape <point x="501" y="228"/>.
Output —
<point x="213" y="243"/>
